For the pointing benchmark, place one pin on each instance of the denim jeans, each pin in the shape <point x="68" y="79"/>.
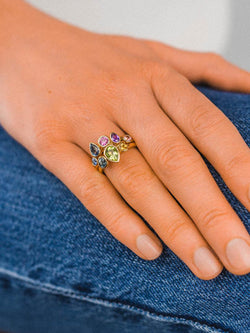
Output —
<point x="61" y="270"/>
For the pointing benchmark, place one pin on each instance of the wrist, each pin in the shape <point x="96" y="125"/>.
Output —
<point x="11" y="9"/>
<point x="11" y="15"/>
<point x="20" y="20"/>
<point x="26" y="31"/>
<point x="22" y="27"/>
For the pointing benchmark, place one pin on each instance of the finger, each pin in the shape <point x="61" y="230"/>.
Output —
<point x="73" y="167"/>
<point x="139" y="186"/>
<point x="183" y="171"/>
<point x="142" y="190"/>
<point x="208" y="129"/>
<point x="205" y="67"/>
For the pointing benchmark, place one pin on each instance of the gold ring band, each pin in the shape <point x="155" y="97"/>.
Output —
<point x="109" y="149"/>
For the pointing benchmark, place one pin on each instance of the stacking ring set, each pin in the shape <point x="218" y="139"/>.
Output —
<point x="109" y="149"/>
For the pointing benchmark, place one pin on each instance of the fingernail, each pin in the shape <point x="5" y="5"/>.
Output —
<point x="148" y="247"/>
<point x="238" y="253"/>
<point x="206" y="262"/>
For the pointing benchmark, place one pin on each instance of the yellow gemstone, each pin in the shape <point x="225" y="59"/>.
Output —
<point x="123" y="146"/>
<point x="112" y="153"/>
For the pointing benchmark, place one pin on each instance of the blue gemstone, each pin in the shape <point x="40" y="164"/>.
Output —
<point x="102" y="162"/>
<point x="94" y="161"/>
<point x="94" y="149"/>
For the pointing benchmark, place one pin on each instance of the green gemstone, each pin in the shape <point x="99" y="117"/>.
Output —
<point x="112" y="153"/>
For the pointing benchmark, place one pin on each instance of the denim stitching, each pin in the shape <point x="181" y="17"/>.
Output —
<point x="51" y="289"/>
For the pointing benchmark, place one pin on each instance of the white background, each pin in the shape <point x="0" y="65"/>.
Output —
<point x="222" y="26"/>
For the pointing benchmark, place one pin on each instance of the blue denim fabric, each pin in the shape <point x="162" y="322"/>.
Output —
<point x="61" y="271"/>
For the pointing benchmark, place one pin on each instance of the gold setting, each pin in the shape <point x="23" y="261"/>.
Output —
<point x="110" y="149"/>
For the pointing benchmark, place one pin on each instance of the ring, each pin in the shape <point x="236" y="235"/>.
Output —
<point x="109" y="149"/>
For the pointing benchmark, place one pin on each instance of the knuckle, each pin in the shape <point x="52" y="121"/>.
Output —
<point x="41" y="138"/>
<point x="135" y="181"/>
<point x="236" y="163"/>
<point x="212" y="63"/>
<point x="176" y="228"/>
<point x="175" y="156"/>
<point x="116" y="223"/>
<point x="161" y="73"/>
<point x="45" y="134"/>
<point x="117" y="91"/>
<point x="91" y="192"/>
<point x="213" y="57"/>
<point x="213" y="217"/>
<point x="204" y="121"/>
<point x="111" y="80"/>
<point x="156" y="71"/>
<point x="148" y="66"/>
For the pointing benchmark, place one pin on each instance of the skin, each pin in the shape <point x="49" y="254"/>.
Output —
<point x="62" y="87"/>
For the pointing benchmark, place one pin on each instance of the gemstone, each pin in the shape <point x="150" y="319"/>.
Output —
<point x="123" y="146"/>
<point x="94" y="161"/>
<point x="94" y="149"/>
<point x="114" y="137"/>
<point x="127" y="138"/>
<point x="103" y="140"/>
<point x="102" y="162"/>
<point x="112" y="153"/>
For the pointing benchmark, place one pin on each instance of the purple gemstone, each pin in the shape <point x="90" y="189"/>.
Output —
<point x="103" y="141"/>
<point x="114" y="137"/>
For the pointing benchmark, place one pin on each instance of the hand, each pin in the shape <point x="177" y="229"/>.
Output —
<point x="62" y="87"/>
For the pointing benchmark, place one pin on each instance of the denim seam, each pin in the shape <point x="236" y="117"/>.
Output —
<point x="55" y="290"/>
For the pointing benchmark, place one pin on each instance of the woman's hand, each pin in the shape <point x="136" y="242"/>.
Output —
<point x="62" y="87"/>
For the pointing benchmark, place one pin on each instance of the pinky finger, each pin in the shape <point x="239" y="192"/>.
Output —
<point x="73" y="167"/>
<point x="216" y="71"/>
<point x="204" y="67"/>
<point x="212" y="69"/>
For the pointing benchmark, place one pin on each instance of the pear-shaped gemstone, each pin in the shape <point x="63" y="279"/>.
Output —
<point x="94" y="149"/>
<point x="112" y="153"/>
